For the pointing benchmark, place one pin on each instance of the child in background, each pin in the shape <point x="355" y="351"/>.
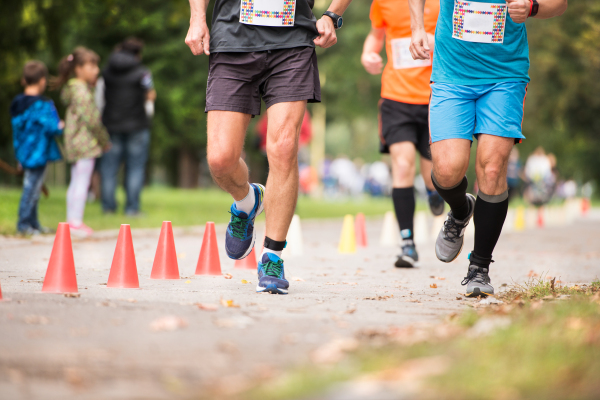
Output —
<point x="35" y="123"/>
<point x="85" y="136"/>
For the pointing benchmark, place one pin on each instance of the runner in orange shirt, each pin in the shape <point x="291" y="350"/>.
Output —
<point x="404" y="111"/>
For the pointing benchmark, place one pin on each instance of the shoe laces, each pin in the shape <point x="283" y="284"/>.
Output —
<point x="476" y="275"/>
<point x="452" y="229"/>
<point x="238" y="226"/>
<point x="273" y="268"/>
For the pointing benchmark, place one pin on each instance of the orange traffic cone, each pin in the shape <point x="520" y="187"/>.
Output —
<point x="360" y="228"/>
<point x="585" y="205"/>
<point x="165" y="261"/>
<point x="249" y="262"/>
<point x="0" y="293"/>
<point x="540" y="219"/>
<point x="123" y="271"/>
<point x="208" y="261"/>
<point x="60" y="275"/>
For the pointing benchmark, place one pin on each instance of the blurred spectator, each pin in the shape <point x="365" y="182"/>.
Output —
<point x="349" y="181"/>
<point x="539" y="178"/>
<point x="35" y="123"/>
<point x="85" y="136"/>
<point x="513" y="173"/>
<point x="127" y="87"/>
<point x="379" y="179"/>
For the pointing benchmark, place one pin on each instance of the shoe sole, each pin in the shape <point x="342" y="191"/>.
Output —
<point x="271" y="289"/>
<point x="406" y="262"/>
<point x="261" y="208"/>
<point x="463" y="238"/>
<point x="477" y="292"/>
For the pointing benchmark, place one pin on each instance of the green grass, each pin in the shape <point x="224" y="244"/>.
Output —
<point x="182" y="207"/>
<point x="550" y="350"/>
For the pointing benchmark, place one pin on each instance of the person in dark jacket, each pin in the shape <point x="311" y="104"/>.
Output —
<point x="35" y="123"/>
<point x="127" y="87"/>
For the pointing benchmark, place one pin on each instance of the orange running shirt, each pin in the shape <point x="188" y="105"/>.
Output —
<point x="403" y="79"/>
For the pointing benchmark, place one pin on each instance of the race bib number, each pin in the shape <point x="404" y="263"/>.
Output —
<point x="268" y="12"/>
<point x="401" y="56"/>
<point x="479" y="22"/>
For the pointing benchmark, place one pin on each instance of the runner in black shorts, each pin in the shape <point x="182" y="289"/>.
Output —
<point x="259" y="53"/>
<point x="403" y="111"/>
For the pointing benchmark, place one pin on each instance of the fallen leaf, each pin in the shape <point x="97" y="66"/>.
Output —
<point x="207" y="307"/>
<point x="459" y="298"/>
<point x="433" y="286"/>
<point x="378" y="297"/>
<point x="391" y="311"/>
<point x="413" y="300"/>
<point x="74" y="295"/>
<point x="227" y="276"/>
<point x="244" y="281"/>
<point x="168" y="323"/>
<point x="350" y="311"/>
<point x="229" y="303"/>
<point x="439" y="278"/>
<point x="188" y="281"/>
<point x="295" y="278"/>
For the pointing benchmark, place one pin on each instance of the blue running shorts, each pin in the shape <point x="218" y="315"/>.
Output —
<point x="461" y="111"/>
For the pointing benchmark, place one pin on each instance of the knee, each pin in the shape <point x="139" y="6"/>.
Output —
<point x="492" y="170"/>
<point x="448" y="172"/>
<point x="283" y="151"/>
<point x="403" y="168"/>
<point x="221" y="162"/>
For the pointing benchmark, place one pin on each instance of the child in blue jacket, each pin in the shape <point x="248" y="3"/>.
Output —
<point x="35" y="123"/>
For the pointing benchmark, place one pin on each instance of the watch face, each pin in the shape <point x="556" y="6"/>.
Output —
<point x="340" y="22"/>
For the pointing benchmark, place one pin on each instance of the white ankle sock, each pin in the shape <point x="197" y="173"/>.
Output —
<point x="247" y="203"/>
<point x="276" y="252"/>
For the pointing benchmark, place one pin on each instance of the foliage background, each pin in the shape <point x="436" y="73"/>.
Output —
<point x="561" y="109"/>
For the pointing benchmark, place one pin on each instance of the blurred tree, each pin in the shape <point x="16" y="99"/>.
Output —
<point x="560" y="112"/>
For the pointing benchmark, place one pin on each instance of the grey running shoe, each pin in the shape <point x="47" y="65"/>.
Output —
<point x="478" y="282"/>
<point x="409" y="257"/>
<point x="450" y="241"/>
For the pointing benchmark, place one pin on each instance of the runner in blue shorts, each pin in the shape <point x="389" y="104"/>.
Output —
<point x="478" y="88"/>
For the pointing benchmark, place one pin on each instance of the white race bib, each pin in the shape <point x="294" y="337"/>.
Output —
<point x="268" y="12"/>
<point x="479" y="22"/>
<point x="401" y="56"/>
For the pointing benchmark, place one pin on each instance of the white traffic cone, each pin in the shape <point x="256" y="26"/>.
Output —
<point x="295" y="244"/>
<point x="389" y="230"/>
<point x="421" y="229"/>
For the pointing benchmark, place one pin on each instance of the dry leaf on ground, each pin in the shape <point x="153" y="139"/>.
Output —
<point x="439" y="278"/>
<point x="74" y="295"/>
<point x="433" y="286"/>
<point x="227" y="276"/>
<point x="168" y="323"/>
<point x="229" y="303"/>
<point x="378" y="297"/>
<point x="295" y="278"/>
<point x="207" y="306"/>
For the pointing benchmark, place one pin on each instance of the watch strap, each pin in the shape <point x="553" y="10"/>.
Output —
<point x="334" y="17"/>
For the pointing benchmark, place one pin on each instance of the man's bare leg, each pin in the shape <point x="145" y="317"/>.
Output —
<point x="285" y="121"/>
<point x="226" y="131"/>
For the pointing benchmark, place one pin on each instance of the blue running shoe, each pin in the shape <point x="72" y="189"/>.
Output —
<point x="271" y="277"/>
<point x="240" y="235"/>
<point x="409" y="257"/>
<point x="436" y="203"/>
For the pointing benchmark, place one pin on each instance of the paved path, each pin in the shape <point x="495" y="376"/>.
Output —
<point x="101" y="345"/>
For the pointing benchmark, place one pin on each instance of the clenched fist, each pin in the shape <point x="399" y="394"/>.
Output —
<point x="519" y="10"/>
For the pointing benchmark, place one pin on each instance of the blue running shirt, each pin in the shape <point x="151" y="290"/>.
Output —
<point x="478" y="54"/>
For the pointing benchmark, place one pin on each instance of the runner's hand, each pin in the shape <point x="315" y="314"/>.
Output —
<point x="372" y="62"/>
<point x="519" y="10"/>
<point x="327" y="37"/>
<point x="419" y="45"/>
<point x="198" y="38"/>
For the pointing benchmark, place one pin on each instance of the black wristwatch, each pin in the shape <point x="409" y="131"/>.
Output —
<point x="337" y="19"/>
<point x="535" y="6"/>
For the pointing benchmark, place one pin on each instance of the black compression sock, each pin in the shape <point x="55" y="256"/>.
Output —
<point x="404" y="205"/>
<point x="456" y="197"/>
<point x="490" y="213"/>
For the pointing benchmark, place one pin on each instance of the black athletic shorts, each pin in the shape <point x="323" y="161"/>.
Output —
<point x="403" y="122"/>
<point x="237" y="81"/>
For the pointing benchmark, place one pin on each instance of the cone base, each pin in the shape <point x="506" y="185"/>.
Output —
<point x="115" y="286"/>
<point x="57" y="291"/>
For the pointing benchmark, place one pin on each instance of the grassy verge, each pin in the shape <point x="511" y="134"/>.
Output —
<point x="540" y="343"/>
<point x="182" y="207"/>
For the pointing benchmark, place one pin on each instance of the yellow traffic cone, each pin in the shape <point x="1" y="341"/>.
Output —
<point x="520" y="219"/>
<point x="348" y="237"/>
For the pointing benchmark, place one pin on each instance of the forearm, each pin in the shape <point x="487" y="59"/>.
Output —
<point x="417" y="8"/>
<point x="338" y="6"/>
<point x="374" y="42"/>
<point x="551" y="8"/>
<point x="198" y="10"/>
